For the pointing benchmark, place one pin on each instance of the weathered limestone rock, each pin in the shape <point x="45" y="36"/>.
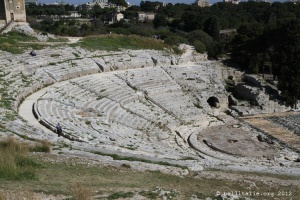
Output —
<point x="253" y="80"/>
<point x="149" y="113"/>
<point x="25" y="29"/>
<point x="232" y="101"/>
<point x="246" y="110"/>
<point x="263" y="97"/>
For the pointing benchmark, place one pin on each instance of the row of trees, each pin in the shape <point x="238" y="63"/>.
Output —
<point x="64" y="9"/>
<point x="275" y="48"/>
<point x="37" y="10"/>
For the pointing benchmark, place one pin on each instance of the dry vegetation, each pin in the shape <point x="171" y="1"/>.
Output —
<point x="14" y="161"/>
<point x="64" y="177"/>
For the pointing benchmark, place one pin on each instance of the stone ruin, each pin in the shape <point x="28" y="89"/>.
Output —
<point x="144" y="104"/>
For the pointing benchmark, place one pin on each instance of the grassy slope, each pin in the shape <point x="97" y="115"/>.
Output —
<point x="61" y="177"/>
<point x="18" y="43"/>
<point x="11" y="42"/>
<point x="117" y="42"/>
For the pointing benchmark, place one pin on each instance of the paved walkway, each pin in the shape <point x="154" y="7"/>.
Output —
<point x="25" y="110"/>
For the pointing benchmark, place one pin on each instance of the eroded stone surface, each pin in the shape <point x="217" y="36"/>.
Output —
<point x="147" y="105"/>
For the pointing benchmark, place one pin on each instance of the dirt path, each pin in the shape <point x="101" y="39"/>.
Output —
<point x="280" y="133"/>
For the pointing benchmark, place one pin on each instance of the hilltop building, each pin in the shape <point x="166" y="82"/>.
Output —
<point x="145" y="16"/>
<point x="101" y="3"/>
<point x="232" y="1"/>
<point x="105" y="4"/>
<point x="12" y="10"/>
<point x="202" y="3"/>
<point x="114" y="16"/>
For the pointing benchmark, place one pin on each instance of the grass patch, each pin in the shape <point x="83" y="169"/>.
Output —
<point x="117" y="42"/>
<point x="118" y="157"/>
<point x="80" y="192"/>
<point x="57" y="40"/>
<point x="188" y="158"/>
<point x="41" y="146"/>
<point x="11" y="42"/>
<point x="14" y="161"/>
<point x="177" y="50"/>
<point x="119" y="195"/>
<point x="100" y="97"/>
<point x="55" y="178"/>
<point x="54" y="55"/>
<point x="229" y="85"/>
<point x="149" y="194"/>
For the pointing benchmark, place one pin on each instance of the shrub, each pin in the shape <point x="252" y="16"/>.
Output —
<point x="119" y="195"/>
<point x="115" y="42"/>
<point x="199" y="46"/>
<point x="175" y="40"/>
<point x="42" y="146"/>
<point x="79" y="192"/>
<point x="126" y="166"/>
<point x="149" y="194"/>
<point x="122" y="31"/>
<point x="14" y="162"/>
<point x="213" y="48"/>
<point x="163" y="32"/>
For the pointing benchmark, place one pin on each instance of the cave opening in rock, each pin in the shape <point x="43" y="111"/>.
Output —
<point x="213" y="102"/>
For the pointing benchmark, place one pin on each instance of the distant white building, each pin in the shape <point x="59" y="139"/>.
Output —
<point x="143" y="16"/>
<point x="202" y="3"/>
<point x="105" y="4"/>
<point x="232" y="1"/>
<point x="114" y="16"/>
<point x="101" y="3"/>
<point x="74" y="14"/>
<point x="57" y="3"/>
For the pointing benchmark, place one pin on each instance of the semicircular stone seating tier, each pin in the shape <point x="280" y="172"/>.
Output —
<point x="152" y="110"/>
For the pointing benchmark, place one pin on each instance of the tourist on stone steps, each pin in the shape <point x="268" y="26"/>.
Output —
<point x="32" y="53"/>
<point x="58" y="129"/>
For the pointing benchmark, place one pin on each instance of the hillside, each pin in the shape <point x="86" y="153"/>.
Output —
<point x="137" y="123"/>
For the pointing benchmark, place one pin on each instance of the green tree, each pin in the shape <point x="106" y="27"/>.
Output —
<point x="119" y="2"/>
<point x="149" y="6"/>
<point x="287" y="60"/>
<point x="211" y="26"/>
<point x="199" y="46"/>
<point x="160" y="20"/>
<point x="248" y="47"/>
<point x="213" y="49"/>
<point x="192" y="19"/>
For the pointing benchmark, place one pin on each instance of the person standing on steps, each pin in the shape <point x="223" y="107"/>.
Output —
<point x="58" y="130"/>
